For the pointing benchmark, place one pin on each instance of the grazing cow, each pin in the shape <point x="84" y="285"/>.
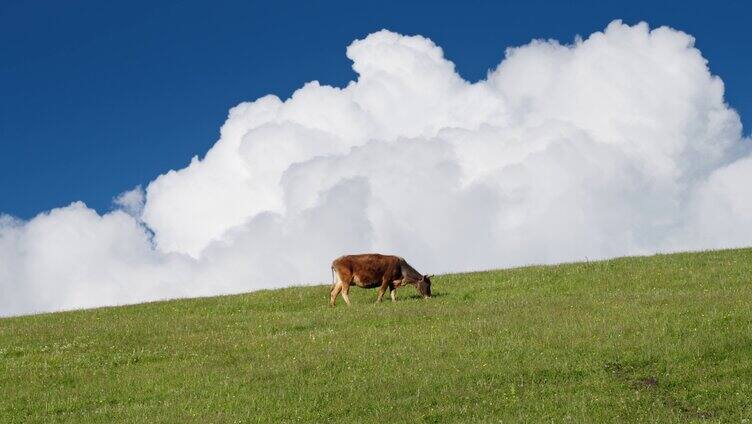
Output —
<point x="374" y="270"/>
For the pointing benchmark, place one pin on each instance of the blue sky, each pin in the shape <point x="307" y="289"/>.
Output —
<point x="97" y="98"/>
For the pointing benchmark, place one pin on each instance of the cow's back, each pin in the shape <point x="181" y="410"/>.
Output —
<point x="369" y="269"/>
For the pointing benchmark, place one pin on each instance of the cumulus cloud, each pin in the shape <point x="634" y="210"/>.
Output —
<point x="617" y="144"/>
<point x="131" y="202"/>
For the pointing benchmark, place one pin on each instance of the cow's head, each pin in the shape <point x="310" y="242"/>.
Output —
<point x="424" y="286"/>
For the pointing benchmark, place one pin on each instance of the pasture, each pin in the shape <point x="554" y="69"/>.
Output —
<point x="665" y="338"/>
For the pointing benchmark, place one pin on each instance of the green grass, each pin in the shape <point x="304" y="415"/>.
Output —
<point x="666" y="338"/>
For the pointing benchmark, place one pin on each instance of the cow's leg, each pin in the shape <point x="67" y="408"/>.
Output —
<point x="393" y="292"/>
<point x="344" y="278"/>
<point x="346" y="292"/>
<point x="382" y="290"/>
<point x="341" y="276"/>
<point x="335" y="291"/>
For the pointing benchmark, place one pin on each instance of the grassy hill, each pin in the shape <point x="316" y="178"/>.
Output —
<point x="666" y="338"/>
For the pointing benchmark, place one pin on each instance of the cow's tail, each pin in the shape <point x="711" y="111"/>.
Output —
<point x="334" y="278"/>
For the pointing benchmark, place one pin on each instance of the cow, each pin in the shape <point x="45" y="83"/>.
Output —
<point x="374" y="270"/>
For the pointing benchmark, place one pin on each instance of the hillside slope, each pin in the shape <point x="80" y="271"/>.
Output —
<point x="666" y="338"/>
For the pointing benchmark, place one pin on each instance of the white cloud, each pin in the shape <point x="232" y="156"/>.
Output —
<point x="618" y="144"/>
<point x="131" y="202"/>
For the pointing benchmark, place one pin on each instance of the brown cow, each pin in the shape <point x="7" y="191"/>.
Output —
<point x="374" y="270"/>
